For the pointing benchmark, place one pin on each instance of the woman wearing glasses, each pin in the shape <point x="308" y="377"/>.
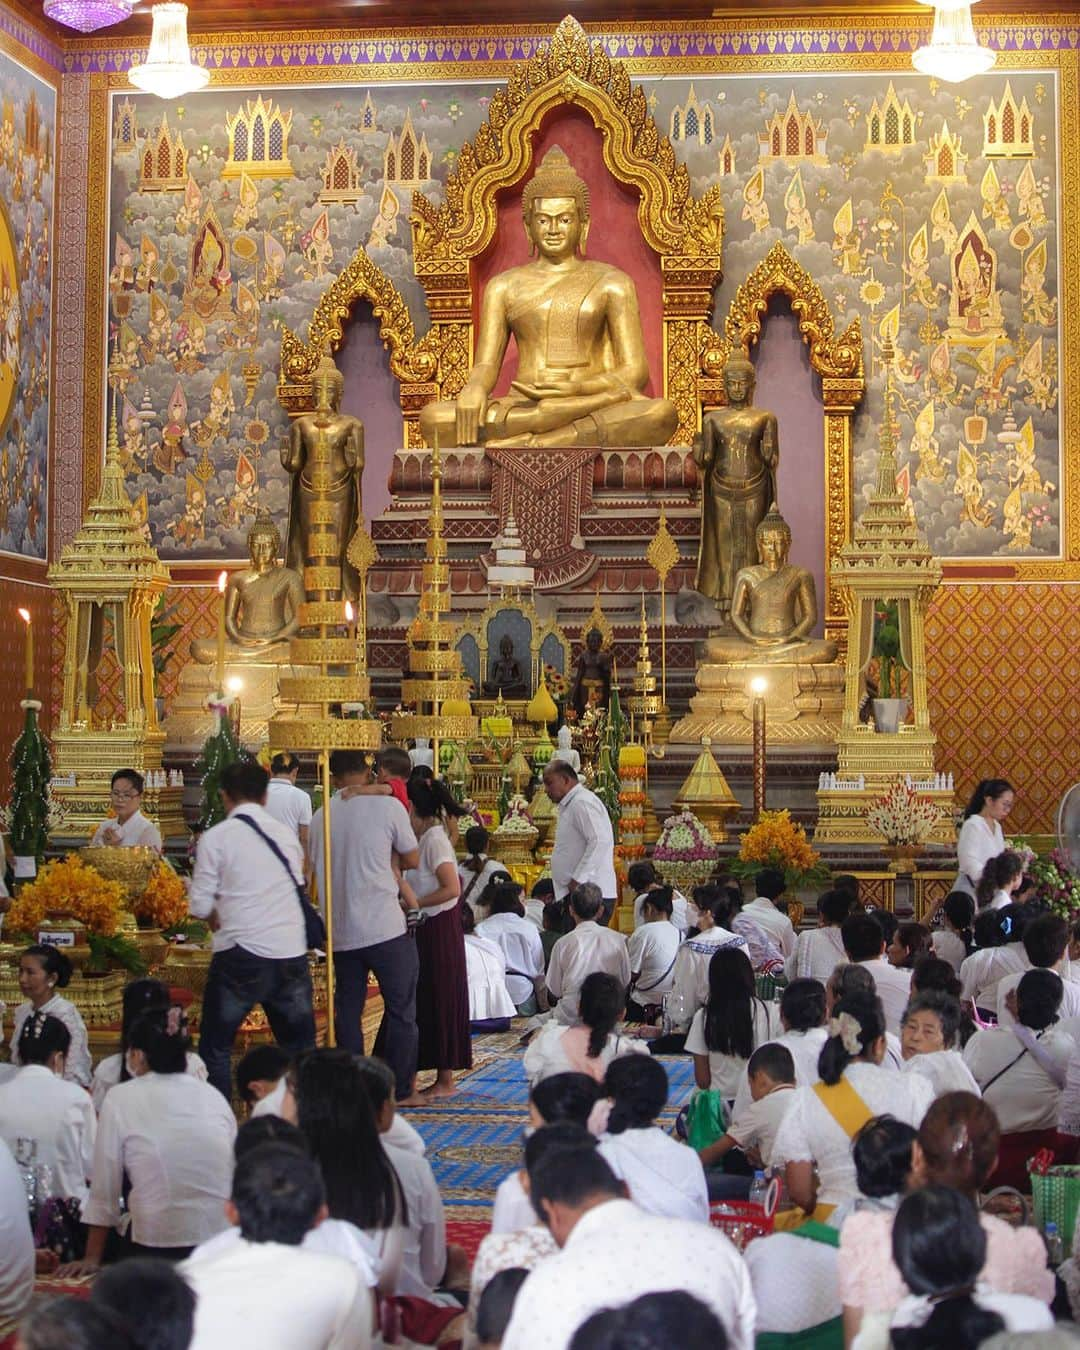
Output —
<point x="130" y="828"/>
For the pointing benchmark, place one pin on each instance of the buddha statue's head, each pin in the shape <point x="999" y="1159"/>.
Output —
<point x="773" y="536"/>
<point x="328" y="377"/>
<point x="555" y="204"/>
<point x="264" y="542"/>
<point x="739" y="379"/>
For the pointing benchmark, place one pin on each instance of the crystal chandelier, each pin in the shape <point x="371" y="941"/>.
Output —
<point x="168" y="70"/>
<point x="88" y="15"/>
<point x="954" y="53"/>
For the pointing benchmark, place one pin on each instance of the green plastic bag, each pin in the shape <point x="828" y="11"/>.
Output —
<point x="705" y="1122"/>
<point x="1056" y="1199"/>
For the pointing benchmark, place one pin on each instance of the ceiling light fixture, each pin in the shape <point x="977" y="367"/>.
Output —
<point x="954" y="53"/>
<point x="88" y="15"/>
<point x="168" y="70"/>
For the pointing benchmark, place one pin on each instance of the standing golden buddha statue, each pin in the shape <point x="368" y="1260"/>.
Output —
<point x="582" y="369"/>
<point x="738" y="451"/>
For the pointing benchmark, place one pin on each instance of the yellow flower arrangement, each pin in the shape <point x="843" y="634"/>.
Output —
<point x="68" y="886"/>
<point x="778" y="841"/>
<point x="164" y="902"/>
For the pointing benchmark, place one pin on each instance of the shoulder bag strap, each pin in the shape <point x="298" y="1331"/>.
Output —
<point x="985" y="1087"/>
<point x="845" y="1106"/>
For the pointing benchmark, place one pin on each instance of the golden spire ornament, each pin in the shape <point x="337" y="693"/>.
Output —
<point x="662" y="555"/>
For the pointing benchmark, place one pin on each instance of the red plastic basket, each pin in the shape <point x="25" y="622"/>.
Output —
<point x="740" y="1221"/>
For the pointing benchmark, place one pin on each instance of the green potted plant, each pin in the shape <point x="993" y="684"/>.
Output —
<point x="890" y="705"/>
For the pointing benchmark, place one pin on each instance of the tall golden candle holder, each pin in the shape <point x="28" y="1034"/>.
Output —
<point x="758" y="688"/>
<point x="662" y="555"/>
<point x="330" y="642"/>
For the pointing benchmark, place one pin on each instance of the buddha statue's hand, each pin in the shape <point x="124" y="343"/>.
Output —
<point x="469" y="409"/>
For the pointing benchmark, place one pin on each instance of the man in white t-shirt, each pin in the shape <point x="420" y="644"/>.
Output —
<point x="612" y="1252"/>
<point x="769" y="885"/>
<point x="652" y="949"/>
<point x="587" y="948"/>
<point x="1046" y="942"/>
<point x="864" y="942"/>
<point x="368" y="834"/>
<point x="284" y="800"/>
<point x="264" y="1289"/>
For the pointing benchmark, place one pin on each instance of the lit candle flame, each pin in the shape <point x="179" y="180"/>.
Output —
<point x="348" y="611"/>
<point x="222" y="581"/>
<point x="24" y="614"/>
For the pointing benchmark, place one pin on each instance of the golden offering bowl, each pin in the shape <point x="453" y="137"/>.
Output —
<point x="131" y="867"/>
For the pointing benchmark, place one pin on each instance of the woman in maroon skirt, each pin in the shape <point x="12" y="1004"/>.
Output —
<point x="434" y="888"/>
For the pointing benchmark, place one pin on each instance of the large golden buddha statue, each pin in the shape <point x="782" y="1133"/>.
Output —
<point x="262" y="604"/>
<point x="737" y="451"/>
<point x="581" y="355"/>
<point x="774" y="608"/>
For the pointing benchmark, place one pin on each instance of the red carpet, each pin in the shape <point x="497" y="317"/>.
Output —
<point x="467" y="1233"/>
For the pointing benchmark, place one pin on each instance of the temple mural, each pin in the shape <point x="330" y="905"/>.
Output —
<point x="930" y="211"/>
<point x="27" y="141"/>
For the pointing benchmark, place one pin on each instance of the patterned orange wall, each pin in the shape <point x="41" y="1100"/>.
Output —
<point x="1004" y="671"/>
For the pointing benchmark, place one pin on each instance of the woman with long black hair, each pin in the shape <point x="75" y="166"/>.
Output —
<point x="139" y="996"/>
<point x="981" y="835"/>
<point x="433" y="890"/>
<point x="731" y="1026"/>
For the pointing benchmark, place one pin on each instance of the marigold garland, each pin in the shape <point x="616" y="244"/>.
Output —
<point x="778" y="841"/>
<point x="164" y="902"/>
<point x="67" y="886"/>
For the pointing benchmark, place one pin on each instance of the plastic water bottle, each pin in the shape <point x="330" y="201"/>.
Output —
<point x="758" y="1189"/>
<point x="1055" y="1253"/>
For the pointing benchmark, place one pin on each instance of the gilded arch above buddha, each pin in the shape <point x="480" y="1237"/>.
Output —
<point x="835" y="357"/>
<point x="684" y="232"/>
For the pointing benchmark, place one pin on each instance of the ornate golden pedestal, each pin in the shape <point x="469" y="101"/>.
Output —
<point x="803" y="703"/>
<point x="189" y="721"/>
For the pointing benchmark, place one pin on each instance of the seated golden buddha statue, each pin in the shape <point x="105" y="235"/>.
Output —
<point x="774" y="607"/>
<point x="262" y="604"/>
<point x="581" y="354"/>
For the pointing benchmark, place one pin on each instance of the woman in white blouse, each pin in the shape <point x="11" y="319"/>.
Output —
<point x="590" y="1047"/>
<point x="433" y="888"/>
<point x="663" y="1176"/>
<point x="818" y="951"/>
<point x="814" y="1138"/>
<point x="713" y="910"/>
<point x="139" y="996"/>
<point x="490" y="1004"/>
<point x="731" y="1025"/>
<point x="39" y="1104"/>
<point x="981" y="836"/>
<point x="173" y="1138"/>
<point x="42" y="971"/>
<point x="928" y="1040"/>
<point x="952" y="942"/>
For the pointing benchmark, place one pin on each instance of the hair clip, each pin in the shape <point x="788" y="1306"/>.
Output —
<point x="174" y="1020"/>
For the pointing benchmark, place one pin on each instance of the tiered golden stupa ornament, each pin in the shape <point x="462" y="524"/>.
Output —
<point x="436" y="686"/>
<point x="706" y="793"/>
<point x="109" y="572"/>
<point x="643" y="705"/>
<point x="887" y="577"/>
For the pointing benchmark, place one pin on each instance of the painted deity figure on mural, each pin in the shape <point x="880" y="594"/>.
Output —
<point x="262" y="603"/>
<point x="738" y="452"/>
<point x="582" y="369"/>
<point x="334" y="440"/>
<point x="774" y="607"/>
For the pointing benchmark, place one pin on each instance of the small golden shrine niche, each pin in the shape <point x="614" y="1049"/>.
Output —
<point x="125" y="126"/>
<point x="407" y="161"/>
<point x="694" y="121"/>
<point x="368" y="116"/>
<point x="1008" y="128"/>
<point x="793" y="135"/>
<point x="886" y="574"/>
<point x="163" y="164"/>
<point x="726" y="158"/>
<point x="341" y="177"/>
<point x="258" y="141"/>
<point x="109" y="578"/>
<point x="685" y="233"/>
<point x="945" y="158"/>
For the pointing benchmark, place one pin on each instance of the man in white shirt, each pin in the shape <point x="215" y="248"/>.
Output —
<point x="642" y="879"/>
<point x="128" y="828"/>
<point x="652" y="949"/>
<point x="265" y="1290"/>
<point x="612" y="1252"/>
<point x="368" y="835"/>
<point x="584" y="842"/>
<point x="588" y="948"/>
<point x="769" y="884"/>
<point x="1046" y="943"/>
<point x="247" y="873"/>
<point x="284" y="800"/>
<point x="864" y="943"/>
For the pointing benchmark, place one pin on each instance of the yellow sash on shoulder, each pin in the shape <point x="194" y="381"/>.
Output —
<point x="845" y="1106"/>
